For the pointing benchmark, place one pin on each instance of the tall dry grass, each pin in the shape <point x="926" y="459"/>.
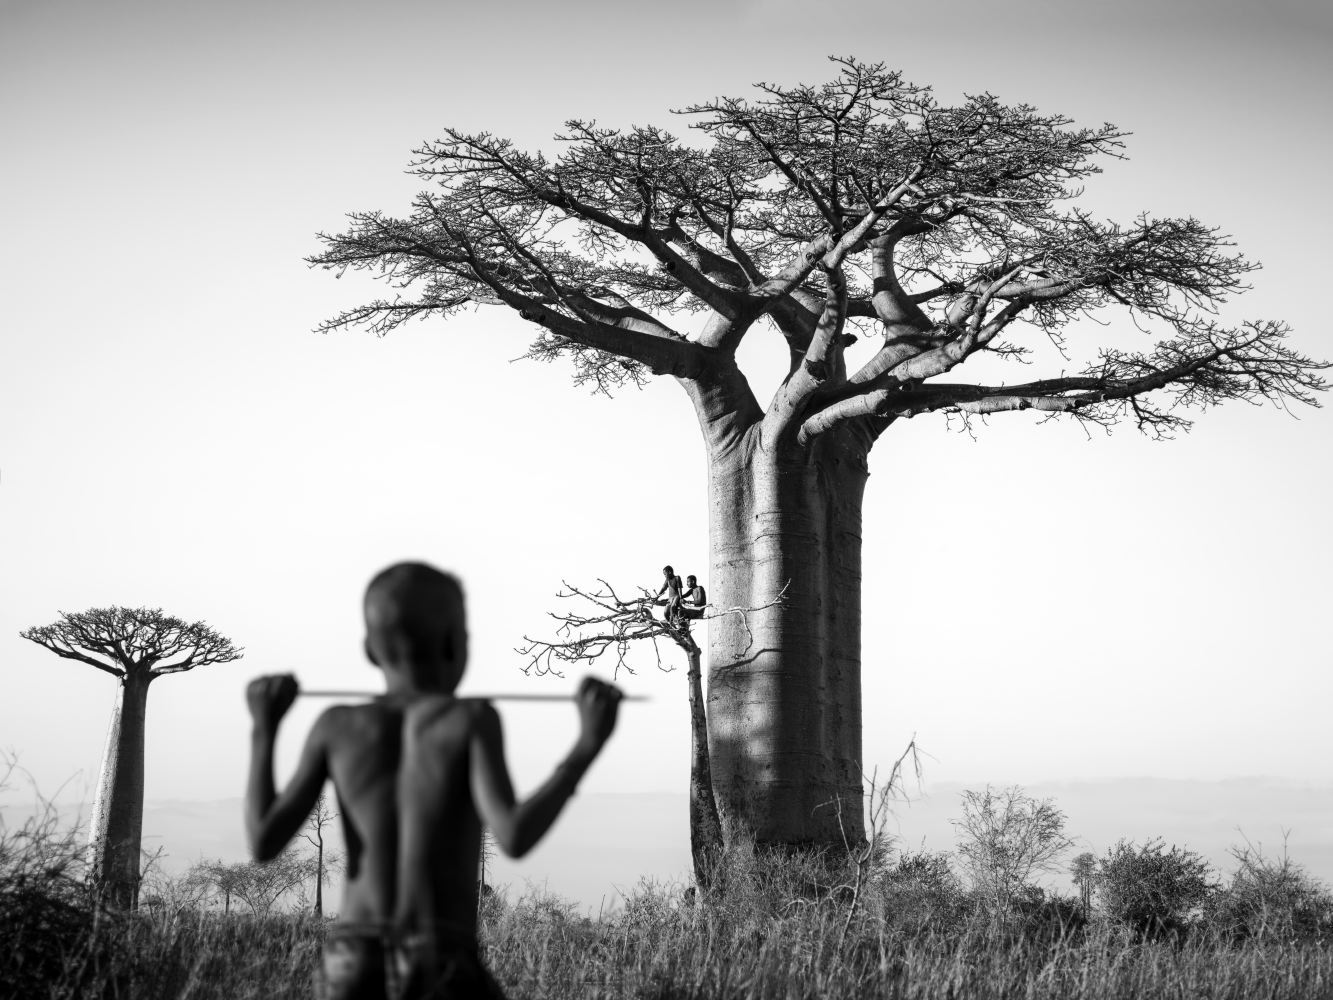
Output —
<point x="781" y="927"/>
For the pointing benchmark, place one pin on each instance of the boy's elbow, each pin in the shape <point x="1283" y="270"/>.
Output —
<point x="263" y="845"/>
<point x="519" y="848"/>
<point x="510" y="843"/>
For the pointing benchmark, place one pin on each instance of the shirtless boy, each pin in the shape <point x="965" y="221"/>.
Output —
<point x="671" y="586"/>
<point x="417" y="773"/>
<point x="695" y="599"/>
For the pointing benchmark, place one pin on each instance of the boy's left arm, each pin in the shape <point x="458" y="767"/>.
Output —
<point x="271" y="820"/>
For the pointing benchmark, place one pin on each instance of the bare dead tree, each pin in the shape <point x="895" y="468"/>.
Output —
<point x="320" y="817"/>
<point x="862" y="210"/>
<point x="136" y="646"/>
<point x="613" y="625"/>
<point x="1006" y="837"/>
<point x="486" y="854"/>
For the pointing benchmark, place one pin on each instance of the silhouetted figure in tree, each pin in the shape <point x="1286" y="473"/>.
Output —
<point x="417" y="772"/>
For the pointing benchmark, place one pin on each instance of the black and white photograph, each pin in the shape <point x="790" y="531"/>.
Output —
<point x="717" y="500"/>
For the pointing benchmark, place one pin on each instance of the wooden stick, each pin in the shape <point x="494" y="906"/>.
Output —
<point x="488" y="697"/>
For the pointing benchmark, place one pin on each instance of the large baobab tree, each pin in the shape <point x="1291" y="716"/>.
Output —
<point x="891" y="241"/>
<point x="137" y="646"/>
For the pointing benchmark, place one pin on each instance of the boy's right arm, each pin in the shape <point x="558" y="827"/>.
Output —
<point x="273" y="818"/>
<point x="517" y="826"/>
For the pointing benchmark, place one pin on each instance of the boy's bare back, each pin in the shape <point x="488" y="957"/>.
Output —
<point x="412" y="830"/>
<point x="417" y="773"/>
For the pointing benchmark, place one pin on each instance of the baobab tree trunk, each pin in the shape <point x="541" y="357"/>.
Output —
<point x="705" y="826"/>
<point x="120" y="815"/>
<point x="784" y="691"/>
<point x="106" y="777"/>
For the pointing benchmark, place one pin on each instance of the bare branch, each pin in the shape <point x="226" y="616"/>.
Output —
<point x="612" y="625"/>
<point x="1207" y="367"/>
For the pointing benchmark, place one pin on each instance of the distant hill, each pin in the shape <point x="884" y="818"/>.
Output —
<point x="604" y="844"/>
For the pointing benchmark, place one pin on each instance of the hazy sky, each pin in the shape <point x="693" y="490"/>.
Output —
<point x="1040" y="605"/>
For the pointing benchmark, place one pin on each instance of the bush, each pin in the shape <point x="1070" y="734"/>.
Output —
<point x="1271" y="899"/>
<point x="922" y="891"/>
<point x="1151" y="890"/>
<point x="1046" y="918"/>
<point x="47" y="917"/>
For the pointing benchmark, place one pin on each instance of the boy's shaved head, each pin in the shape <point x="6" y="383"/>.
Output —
<point x="414" y="608"/>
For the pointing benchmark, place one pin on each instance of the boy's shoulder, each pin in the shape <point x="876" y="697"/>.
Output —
<point x="338" y="718"/>
<point x="466" y="711"/>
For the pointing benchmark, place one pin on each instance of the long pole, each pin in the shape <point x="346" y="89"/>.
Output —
<point x="488" y="697"/>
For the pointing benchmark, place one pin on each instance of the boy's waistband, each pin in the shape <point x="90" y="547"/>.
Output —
<point x="385" y="933"/>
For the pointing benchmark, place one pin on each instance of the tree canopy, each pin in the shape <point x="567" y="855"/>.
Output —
<point x="133" y="640"/>
<point x="860" y="207"/>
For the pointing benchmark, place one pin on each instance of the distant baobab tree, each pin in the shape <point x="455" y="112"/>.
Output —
<point x="137" y="646"/>
<point x="939" y="237"/>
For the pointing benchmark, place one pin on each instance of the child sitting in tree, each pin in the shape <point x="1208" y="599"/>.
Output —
<point x="417" y="772"/>
<point x="671" y="586"/>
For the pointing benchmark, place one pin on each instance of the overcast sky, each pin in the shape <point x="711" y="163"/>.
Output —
<point x="1041" y="605"/>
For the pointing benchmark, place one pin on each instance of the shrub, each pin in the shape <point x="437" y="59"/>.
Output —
<point x="1152" y="890"/>
<point x="1271" y="898"/>
<point x="922" y="891"/>
<point x="1046" y="918"/>
<point x="47" y="917"/>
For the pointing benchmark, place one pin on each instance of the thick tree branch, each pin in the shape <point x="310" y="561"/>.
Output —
<point x="1209" y="366"/>
<point x="823" y="364"/>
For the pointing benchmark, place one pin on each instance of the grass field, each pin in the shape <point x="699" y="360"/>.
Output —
<point x="781" y="929"/>
<point x="661" y="950"/>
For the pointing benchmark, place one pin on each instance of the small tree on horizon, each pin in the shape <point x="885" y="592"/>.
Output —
<point x="136" y="646"/>
<point x="258" y="884"/>
<point x="1006" y="838"/>
<point x="222" y="876"/>
<point x="1083" y="870"/>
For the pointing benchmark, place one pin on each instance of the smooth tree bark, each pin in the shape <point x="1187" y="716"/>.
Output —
<point x="137" y="646"/>
<point x="706" y="843"/>
<point x="859" y="211"/>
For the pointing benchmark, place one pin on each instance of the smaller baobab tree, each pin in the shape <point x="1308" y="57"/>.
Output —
<point x="614" y="625"/>
<point x="136" y="646"/>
